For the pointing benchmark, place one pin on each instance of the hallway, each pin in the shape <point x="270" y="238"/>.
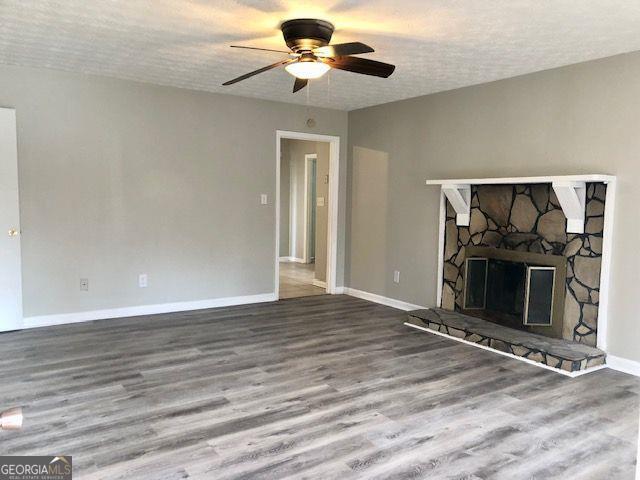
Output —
<point x="296" y="280"/>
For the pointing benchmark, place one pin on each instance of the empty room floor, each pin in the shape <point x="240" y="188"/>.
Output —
<point x="323" y="387"/>
<point x="296" y="280"/>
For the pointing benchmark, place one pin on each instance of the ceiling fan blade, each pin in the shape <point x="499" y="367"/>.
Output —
<point x="341" y="49"/>
<point x="361" y="65"/>
<point x="256" y="72"/>
<point x="299" y="84"/>
<point x="261" y="49"/>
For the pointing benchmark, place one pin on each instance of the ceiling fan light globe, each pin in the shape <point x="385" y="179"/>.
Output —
<point x="307" y="70"/>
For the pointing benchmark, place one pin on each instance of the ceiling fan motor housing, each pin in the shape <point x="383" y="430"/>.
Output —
<point x="305" y="34"/>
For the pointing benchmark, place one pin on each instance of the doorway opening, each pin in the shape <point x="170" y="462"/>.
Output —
<point x="306" y="211"/>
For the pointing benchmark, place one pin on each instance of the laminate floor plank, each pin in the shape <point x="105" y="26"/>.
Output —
<point x="320" y="387"/>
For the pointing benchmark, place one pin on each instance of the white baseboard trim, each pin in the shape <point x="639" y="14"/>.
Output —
<point x="510" y="355"/>
<point x="319" y="283"/>
<point x="291" y="259"/>
<point x="63" y="318"/>
<point x="623" y="365"/>
<point x="389" y="302"/>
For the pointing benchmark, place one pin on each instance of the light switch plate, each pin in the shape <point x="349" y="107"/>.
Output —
<point x="263" y="199"/>
<point x="143" y="280"/>
<point x="320" y="202"/>
<point x="84" y="284"/>
<point x="396" y="276"/>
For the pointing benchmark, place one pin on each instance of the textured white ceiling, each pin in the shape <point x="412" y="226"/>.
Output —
<point x="436" y="44"/>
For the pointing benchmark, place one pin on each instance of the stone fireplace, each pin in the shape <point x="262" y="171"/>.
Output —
<point x="524" y="267"/>
<point x="529" y="218"/>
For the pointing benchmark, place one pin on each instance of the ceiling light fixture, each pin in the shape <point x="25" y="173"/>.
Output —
<point x="307" y="68"/>
<point x="311" y="56"/>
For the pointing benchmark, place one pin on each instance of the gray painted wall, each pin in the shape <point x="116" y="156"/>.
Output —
<point x="574" y="120"/>
<point x="120" y="178"/>
<point x="322" y="212"/>
<point x="294" y="152"/>
<point x="285" y="188"/>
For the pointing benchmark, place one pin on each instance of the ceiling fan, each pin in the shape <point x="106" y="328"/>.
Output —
<point x="311" y="56"/>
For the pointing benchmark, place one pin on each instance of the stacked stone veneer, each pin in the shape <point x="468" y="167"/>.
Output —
<point x="529" y="218"/>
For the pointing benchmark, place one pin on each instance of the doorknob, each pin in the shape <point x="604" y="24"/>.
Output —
<point x="13" y="232"/>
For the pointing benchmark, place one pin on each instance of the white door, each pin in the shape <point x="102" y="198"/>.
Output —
<point x="10" y="270"/>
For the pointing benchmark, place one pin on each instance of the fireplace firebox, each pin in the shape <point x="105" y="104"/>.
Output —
<point x="520" y="290"/>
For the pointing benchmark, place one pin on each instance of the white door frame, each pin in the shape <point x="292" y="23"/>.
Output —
<point x="334" y="188"/>
<point x="308" y="157"/>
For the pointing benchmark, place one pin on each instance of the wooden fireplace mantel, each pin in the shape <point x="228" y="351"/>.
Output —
<point x="570" y="190"/>
<point x="520" y="180"/>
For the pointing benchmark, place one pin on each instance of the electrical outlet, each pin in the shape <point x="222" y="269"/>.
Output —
<point x="396" y="276"/>
<point x="143" y="280"/>
<point x="84" y="284"/>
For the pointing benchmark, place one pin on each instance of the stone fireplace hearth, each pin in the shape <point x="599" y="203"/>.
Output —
<point x="559" y="354"/>
<point x="525" y="266"/>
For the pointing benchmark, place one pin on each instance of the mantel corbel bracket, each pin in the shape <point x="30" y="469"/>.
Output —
<point x="460" y="198"/>
<point x="572" y="198"/>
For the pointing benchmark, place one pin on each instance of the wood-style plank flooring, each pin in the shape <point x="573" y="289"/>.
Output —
<point x="296" y="280"/>
<point x="324" y="387"/>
